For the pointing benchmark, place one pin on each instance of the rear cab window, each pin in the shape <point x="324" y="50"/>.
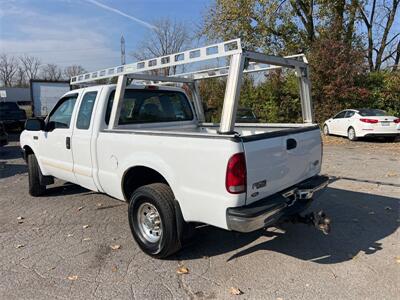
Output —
<point x="151" y="106"/>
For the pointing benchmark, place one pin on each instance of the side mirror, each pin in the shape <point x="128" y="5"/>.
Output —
<point x="34" y="124"/>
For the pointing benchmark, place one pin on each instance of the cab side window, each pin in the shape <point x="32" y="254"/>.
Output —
<point x="349" y="114"/>
<point x="85" y="110"/>
<point x="61" y="115"/>
<point x="340" y="115"/>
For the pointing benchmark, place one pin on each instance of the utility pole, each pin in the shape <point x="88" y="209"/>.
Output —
<point x="122" y="50"/>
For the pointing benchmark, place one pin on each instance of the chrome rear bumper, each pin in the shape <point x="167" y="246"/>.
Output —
<point x="270" y="210"/>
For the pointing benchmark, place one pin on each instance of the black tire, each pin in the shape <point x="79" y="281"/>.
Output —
<point x="351" y="134"/>
<point x="35" y="188"/>
<point x="325" y="130"/>
<point x="160" y="196"/>
<point x="390" y="139"/>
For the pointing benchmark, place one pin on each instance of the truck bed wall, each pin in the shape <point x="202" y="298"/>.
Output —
<point x="195" y="168"/>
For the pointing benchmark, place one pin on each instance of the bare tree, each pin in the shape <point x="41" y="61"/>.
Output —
<point x="380" y="39"/>
<point x="168" y="37"/>
<point x="20" y="76"/>
<point x="8" y="69"/>
<point x="52" y="72"/>
<point x="397" y="58"/>
<point x="73" y="70"/>
<point x="31" y="66"/>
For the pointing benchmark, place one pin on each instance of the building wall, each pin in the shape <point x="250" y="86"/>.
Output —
<point x="19" y="95"/>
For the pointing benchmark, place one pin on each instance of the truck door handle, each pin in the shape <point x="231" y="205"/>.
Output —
<point x="68" y="142"/>
<point x="291" y="144"/>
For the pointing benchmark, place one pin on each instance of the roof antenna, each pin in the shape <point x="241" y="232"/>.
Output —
<point x="122" y="50"/>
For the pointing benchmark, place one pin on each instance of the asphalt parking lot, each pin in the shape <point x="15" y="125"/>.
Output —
<point x="76" y="244"/>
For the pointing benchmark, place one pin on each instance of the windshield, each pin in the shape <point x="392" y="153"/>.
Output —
<point x="366" y="112"/>
<point x="8" y="106"/>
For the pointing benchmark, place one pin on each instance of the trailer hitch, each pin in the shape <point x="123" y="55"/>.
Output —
<point x="319" y="220"/>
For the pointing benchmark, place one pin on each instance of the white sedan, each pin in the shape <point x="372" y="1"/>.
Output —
<point x="356" y="123"/>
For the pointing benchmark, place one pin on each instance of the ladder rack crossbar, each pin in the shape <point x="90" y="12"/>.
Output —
<point x="219" y="50"/>
<point x="224" y="71"/>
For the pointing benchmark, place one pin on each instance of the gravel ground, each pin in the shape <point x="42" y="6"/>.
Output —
<point x="76" y="244"/>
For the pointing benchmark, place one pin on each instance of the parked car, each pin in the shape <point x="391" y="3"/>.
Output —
<point x="3" y="135"/>
<point x="246" y="115"/>
<point x="12" y="116"/>
<point x="149" y="146"/>
<point x="364" y="122"/>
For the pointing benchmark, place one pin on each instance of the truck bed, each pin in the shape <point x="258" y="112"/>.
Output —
<point x="210" y="129"/>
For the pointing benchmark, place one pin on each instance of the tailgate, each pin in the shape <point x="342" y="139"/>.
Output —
<point x="278" y="160"/>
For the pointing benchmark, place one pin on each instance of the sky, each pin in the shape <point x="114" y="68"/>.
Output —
<point x="86" y="32"/>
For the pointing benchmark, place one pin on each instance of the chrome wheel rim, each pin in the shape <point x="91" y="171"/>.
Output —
<point x="149" y="222"/>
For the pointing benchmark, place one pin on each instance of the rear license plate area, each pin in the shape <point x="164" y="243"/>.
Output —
<point x="385" y="123"/>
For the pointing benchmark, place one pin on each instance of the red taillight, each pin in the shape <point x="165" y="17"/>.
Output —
<point x="371" y="121"/>
<point x="397" y="121"/>
<point x="235" y="180"/>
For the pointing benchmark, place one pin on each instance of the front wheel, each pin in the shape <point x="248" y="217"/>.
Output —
<point x="35" y="187"/>
<point x="153" y="221"/>
<point x="351" y="134"/>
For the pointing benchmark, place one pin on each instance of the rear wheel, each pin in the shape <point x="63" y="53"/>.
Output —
<point x="325" y="130"/>
<point x="351" y="134"/>
<point x="391" y="139"/>
<point x="153" y="221"/>
<point x="35" y="188"/>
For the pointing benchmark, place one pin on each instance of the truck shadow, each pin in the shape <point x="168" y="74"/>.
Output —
<point x="360" y="221"/>
<point x="64" y="189"/>
<point x="9" y="170"/>
<point x="10" y="152"/>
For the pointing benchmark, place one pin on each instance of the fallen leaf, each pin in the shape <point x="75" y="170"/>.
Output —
<point x="115" y="247"/>
<point x="85" y="226"/>
<point x="235" y="291"/>
<point x="99" y="204"/>
<point x="114" y="269"/>
<point x="391" y="174"/>
<point x="398" y="259"/>
<point x="73" y="277"/>
<point x="279" y="298"/>
<point x="19" y="246"/>
<point x="86" y="239"/>
<point x="69" y="235"/>
<point x="80" y="208"/>
<point x="20" y="218"/>
<point x="182" y="270"/>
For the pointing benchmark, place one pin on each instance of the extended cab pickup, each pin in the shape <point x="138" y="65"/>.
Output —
<point x="169" y="166"/>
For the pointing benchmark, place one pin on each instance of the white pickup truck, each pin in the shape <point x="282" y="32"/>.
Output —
<point x="148" y="145"/>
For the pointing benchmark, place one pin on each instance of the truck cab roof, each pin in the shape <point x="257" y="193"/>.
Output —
<point x="132" y="86"/>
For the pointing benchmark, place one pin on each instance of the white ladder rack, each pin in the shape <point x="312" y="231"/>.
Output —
<point x="238" y="61"/>
<point x="210" y="52"/>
